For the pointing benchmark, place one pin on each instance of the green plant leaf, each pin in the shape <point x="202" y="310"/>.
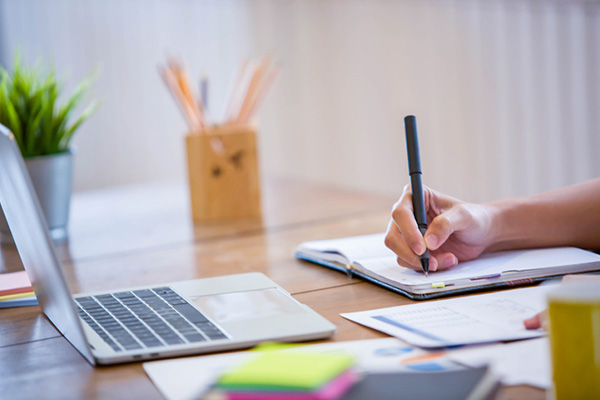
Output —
<point x="64" y="144"/>
<point x="14" y="123"/>
<point x="30" y="108"/>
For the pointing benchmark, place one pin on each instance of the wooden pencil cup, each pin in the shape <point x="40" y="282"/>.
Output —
<point x="223" y="173"/>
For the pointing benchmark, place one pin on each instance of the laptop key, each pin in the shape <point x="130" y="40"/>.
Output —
<point x="195" y="337"/>
<point x="216" y="335"/>
<point x="144" y="293"/>
<point x="124" y="295"/>
<point x="191" y="313"/>
<point x="173" y="340"/>
<point x="132" y="346"/>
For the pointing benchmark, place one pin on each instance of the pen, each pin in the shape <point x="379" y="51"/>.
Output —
<point x="204" y="91"/>
<point x="414" y="170"/>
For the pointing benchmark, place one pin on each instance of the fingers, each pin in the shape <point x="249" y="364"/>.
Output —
<point x="437" y="262"/>
<point x="407" y="258"/>
<point x="444" y="261"/>
<point x="584" y="277"/>
<point x="536" y="322"/>
<point x="403" y="217"/>
<point x="405" y="239"/>
<point x="444" y="225"/>
<point x="395" y="242"/>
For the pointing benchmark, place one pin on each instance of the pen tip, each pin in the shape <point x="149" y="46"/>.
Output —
<point x="425" y="265"/>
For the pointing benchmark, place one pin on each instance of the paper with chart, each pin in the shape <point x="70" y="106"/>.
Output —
<point x="466" y="320"/>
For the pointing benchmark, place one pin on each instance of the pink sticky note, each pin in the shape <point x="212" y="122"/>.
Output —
<point x="14" y="282"/>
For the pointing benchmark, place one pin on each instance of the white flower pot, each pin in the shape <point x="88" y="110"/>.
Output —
<point x="52" y="178"/>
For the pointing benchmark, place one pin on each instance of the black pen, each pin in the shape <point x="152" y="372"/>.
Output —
<point x="414" y="170"/>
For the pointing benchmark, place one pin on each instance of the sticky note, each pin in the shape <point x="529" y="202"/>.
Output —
<point x="16" y="296"/>
<point x="14" y="282"/>
<point x="286" y="370"/>
<point x="438" y="285"/>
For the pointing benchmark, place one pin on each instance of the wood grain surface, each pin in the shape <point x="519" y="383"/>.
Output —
<point x="144" y="235"/>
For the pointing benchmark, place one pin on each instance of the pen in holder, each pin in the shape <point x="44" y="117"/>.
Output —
<point x="223" y="173"/>
<point x="222" y="159"/>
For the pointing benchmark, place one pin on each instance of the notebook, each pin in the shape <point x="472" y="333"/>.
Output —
<point x="368" y="258"/>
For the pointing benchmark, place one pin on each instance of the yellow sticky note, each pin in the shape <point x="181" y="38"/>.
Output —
<point x="438" y="285"/>
<point x="16" y="296"/>
<point x="286" y="370"/>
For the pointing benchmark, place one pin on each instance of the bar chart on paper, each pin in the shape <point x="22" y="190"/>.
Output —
<point x="476" y="319"/>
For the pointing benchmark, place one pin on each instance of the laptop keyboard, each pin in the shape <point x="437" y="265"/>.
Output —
<point x="145" y="319"/>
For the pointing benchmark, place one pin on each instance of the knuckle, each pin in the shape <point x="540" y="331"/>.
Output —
<point x="389" y="240"/>
<point x="398" y="213"/>
<point x="443" y="223"/>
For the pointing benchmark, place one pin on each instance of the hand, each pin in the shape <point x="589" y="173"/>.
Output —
<point x="540" y="320"/>
<point x="457" y="231"/>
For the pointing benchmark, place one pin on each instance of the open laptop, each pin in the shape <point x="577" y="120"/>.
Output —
<point x="164" y="320"/>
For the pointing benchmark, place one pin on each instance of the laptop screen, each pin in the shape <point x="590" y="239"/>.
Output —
<point x="32" y="239"/>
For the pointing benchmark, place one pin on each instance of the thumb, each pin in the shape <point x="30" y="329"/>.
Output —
<point x="445" y="224"/>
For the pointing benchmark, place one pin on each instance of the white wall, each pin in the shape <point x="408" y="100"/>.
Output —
<point x="137" y="135"/>
<point x="506" y="93"/>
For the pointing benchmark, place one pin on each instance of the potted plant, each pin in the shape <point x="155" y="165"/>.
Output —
<point x="43" y="127"/>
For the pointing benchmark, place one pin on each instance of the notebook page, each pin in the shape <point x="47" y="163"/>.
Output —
<point x="465" y="320"/>
<point x="486" y="265"/>
<point x="353" y="248"/>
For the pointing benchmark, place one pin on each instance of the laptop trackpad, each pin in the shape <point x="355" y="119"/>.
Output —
<point x="240" y="306"/>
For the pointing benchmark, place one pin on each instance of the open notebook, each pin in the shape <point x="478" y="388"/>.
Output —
<point x="368" y="258"/>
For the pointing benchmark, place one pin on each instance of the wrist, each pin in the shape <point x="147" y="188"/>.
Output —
<point x="505" y="226"/>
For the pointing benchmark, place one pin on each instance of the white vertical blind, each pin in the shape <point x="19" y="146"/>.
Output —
<point x="506" y="93"/>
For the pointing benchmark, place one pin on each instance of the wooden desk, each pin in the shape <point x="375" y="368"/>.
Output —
<point x="143" y="235"/>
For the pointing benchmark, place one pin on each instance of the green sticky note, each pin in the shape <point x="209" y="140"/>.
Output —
<point x="286" y="370"/>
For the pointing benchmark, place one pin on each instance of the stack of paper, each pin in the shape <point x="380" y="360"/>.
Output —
<point x="16" y="290"/>
<point x="285" y="375"/>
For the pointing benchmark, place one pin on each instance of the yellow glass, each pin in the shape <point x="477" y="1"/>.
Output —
<point x="574" y="311"/>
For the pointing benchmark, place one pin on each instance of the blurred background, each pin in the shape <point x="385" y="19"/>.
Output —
<point x="506" y="92"/>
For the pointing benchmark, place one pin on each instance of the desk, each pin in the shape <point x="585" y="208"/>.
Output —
<point x="143" y="235"/>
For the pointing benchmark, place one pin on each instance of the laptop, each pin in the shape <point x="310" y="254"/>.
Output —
<point x="149" y="322"/>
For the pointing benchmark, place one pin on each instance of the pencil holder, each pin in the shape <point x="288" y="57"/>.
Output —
<point x="223" y="173"/>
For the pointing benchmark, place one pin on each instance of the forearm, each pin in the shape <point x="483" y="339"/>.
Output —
<point x="566" y="217"/>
